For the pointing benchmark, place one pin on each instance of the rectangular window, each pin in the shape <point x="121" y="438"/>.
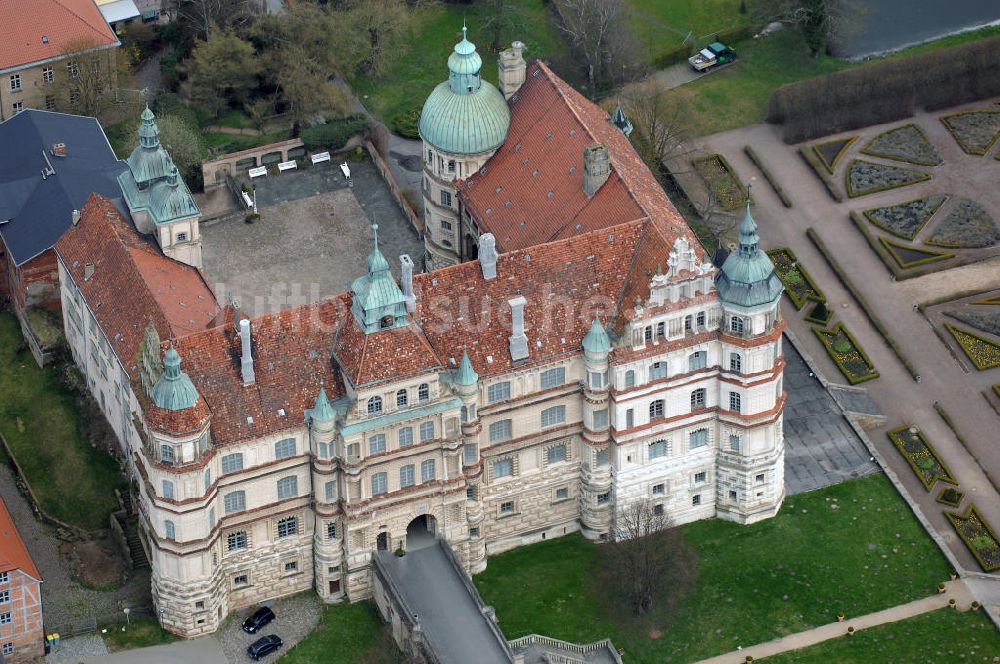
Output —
<point x="451" y="165"/>
<point x="323" y="450"/>
<point x="696" y="500"/>
<point x="596" y="380"/>
<point x="658" y="449"/>
<point x="656" y="409"/>
<point x="380" y="484"/>
<point x="697" y="360"/>
<point x="498" y="392"/>
<point x="601" y="419"/>
<point x="470" y="453"/>
<point x="473" y="532"/>
<point x="734" y="442"/>
<point x="288" y="526"/>
<point x="231" y="463"/>
<point x="426" y="431"/>
<point x="445" y="198"/>
<point x="5" y="619"/>
<point x="732" y="496"/>
<point x="236" y="541"/>
<point x="284" y="448"/>
<point x="211" y="519"/>
<point x="562" y="494"/>
<point x="406" y="436"/>
<point x="554" y="415"/>
<point x="503" y="468"/>
<point x="423" y="392"/>
<point x="376" y="444"/>
<point x="47" y="75"/>
<point x="74" y="97"/>
<point x="500" y="431"/>
<point x="168" y="489"/>
<point x="507" y="507"/>
<point x="4" y="596"/>
<point x="8" y="648"/>
<point x="734" y="402"/>
<point x="552" y="378"/>
<point x="288" y="487"/>
<point x="657" y="370"/>
<point x="292" y="566"/>
<point x="241" y="580"/>
<point x="407" y="476"/>
<point x="630" y="378"/>
<point x="699" y="478"/>
<point x="331" y="530"/>
<point x="603" y="498"/>
<point x="735" y="362"/>
<point x="698" y="398"/>
<point x="699" y="438"/>
<point x="629" y="418"/>
<point x="15" y="82"/>
<point x="235" y="502"/>
<point x="167" y="453"/>
<point x="603" y="457"/>
<point x="659" y="489"/>
<point x="4" y="577"/>
<point x="736" y="325"/>
<point x="330" y="490"/>
<point x="759" y="479"/>
<point x="556" y="453"/>
<point x="427" y="471"/>
<point x="73" y="69"/>
<point x="50" y="103"/>
<point x="445" y="225"/>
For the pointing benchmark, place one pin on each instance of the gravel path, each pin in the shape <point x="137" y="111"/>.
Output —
<point x="295" y="618"/>
<point x="73" y="650"/>
<point x="66" y="604"/>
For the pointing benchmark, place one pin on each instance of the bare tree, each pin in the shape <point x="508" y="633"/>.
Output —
<point x="600" y="34"/>
<point x="503" y="19"/>
<point x="822" y="22"/>
<point x="90" y="83"/>
<point x="648" y="560"/>
<point x="198" y="16"/>
<point x="659" y="118"/>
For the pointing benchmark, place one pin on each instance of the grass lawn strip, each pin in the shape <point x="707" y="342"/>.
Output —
<point x="873" y="555"/>
<point x="137" y="633"/>
<point x="968" y="226"/>
<point x="830" y="152"/>
<point x="799" y="286"/>
<point x="73" y="481"/>
<point x="846" y="353"/>
<point x="907" y="256"/>
<point x="974" y="131"/>
<point x="866" y="177"/>
<point x="983" y="353"/>
<point x="950" y="496"/>
<point x="908" y="143"/>
<point x="346" y="634"/>
<point x="978" y="536"/>
<point x="721" y="181"/>
<point x="921" y="456"/>
<point x="944" y="635"/>
<point x="906" y="219"/>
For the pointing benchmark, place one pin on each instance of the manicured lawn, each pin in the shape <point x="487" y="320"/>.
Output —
<point x="39" y="419"/>
<point x="944" y="635"/>
<point x="347" y="633"/>
<point x="854" y="547"/>
<point x="141" y="633"/>
<point x="435" y="31"/>
<point x="660" y="24"/>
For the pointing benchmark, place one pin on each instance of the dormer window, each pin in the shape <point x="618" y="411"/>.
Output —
<point x="386" y="322"/>
<point x="736" y="325"/>
<point x="182" y="237"/>
<point x="374" y="405"/>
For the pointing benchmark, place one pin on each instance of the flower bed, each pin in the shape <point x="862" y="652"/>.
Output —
<point x="987" y="321"/>
<point x="799" y="286"/>
<point x="978" y="536"/>
<point x="907" y="256"/>
<point x="908" y="143"/>
<point x="846" y="353"/>
<point x="974" y="131"/>
<point x="921" y="456"/>
<point x="950" y="496"/>
<point x="906" y="219"/>
<point x="829" y="152"/>
<point x="867" y="177"/>
<point x="967" y="226"/>
<point x="983" y="353"/>
<point x="721" y="181"/>
<point x="891" y="263"/>
<point x="819" y="314"/>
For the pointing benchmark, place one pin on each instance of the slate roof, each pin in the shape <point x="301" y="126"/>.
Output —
<point x="13" y="553"/>
<point x="38" y="210"/>
<point x="36" y="30"/>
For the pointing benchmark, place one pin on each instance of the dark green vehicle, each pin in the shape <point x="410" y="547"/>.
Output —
<point x="713" y="55"/>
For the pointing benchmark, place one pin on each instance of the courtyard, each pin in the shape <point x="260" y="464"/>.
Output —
<point x="310" y="241"/>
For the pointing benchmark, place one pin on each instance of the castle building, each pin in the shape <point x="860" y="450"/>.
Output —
<point x="584" y="362"/>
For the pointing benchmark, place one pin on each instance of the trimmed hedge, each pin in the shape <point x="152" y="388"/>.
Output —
<point x="921" y="176"/>
<point x="767" y="176"/>
<point x="815" y="296"/>
<point x="672" y="55"/>
<point x="819" y="314"/>
<point x="733" y="35"/>
<point x="950" y="496"/>
<point x="334" y="134"/>
<point x="830" y="166"/>
<point x="900" y="437"/>
<point x="874" y="241"/>
<point x="930" y="256"/>
<point x="840" y="355"/>
<point x="981" y="539"/>
<point x="817" y="167"/>
<point x="405" y="123"/>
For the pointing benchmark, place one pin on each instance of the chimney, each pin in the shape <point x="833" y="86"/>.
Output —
<point x="76" y="217"/>
<point x="596" y="167"/>
<point x="518" y="341"/>
<point x="488" y="255"/>
<point x="59" y="150"/>
<point x="512" y="69"/>
<point x="246" y="364"/>
<point x="88" y="271"/>
<point x="406" y="269"/>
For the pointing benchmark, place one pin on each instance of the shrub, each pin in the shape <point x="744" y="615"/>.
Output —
<point x="950" y="496"/>
<point x="671" y="55"/>
<point x="752" y="154"/>
<point x="405" y="123"/>
<point x="819" y="314"/>
<point x="819" y="169"/>
<point x="730" y="36"/>
<point x="334" y="134"/>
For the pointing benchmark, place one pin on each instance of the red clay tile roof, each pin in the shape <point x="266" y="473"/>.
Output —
<point x="175" y="422"/>
<point x="381" y="356"/>
<point x="36" y="30"/>
<point x="13" y="553"/>
<point x="531" y="190"/>
<point x="133" y="284"/>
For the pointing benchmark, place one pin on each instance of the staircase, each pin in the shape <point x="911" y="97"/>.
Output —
<point x="134" y="539"/>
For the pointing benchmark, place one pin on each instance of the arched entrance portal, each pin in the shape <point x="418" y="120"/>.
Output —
<point x="382" y="542"/>
<point x="421" y="532"/>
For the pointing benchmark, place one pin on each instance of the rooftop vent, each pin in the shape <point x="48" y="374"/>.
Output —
<point x="76" y="217"/>
<point x="88" y="271"/>
<point x="59" y="150"/>
<point x="45" y="39"/>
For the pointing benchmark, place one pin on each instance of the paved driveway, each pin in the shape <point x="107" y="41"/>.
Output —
<point x="206" y="650"/>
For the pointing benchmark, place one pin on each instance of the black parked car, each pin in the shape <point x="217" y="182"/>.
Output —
<point x="261" y="617"/>
<point x="264" y="646"/>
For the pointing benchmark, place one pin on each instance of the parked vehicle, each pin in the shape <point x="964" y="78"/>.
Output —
<point x="258" y="620"/>
<point x="713" y="55"/>
<point x="264" y="646"/>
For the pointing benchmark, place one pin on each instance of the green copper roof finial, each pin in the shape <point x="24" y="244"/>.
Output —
<point x="322" y="411"/>
<point x="173" y="390"/>
<point x="747" y="277"/>
<point x="466" y="375"/>
<point x="376" y="261"/>
<point x="597" y="341"/>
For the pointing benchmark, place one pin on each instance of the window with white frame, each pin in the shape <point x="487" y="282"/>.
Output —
<point x="380" y="484"/>
<point x="656" y="409"/>
<point x="697" y="360"/>
<point x="241" y="580"/>
<point x="657" y="370"/>
<point x="556" y="453"/>
<point x="73" y="69"/>
<point x="374" y="405"/>
<point x="661" y="329"/>
<point x="658" y="449"/>
<point x="552" y="377"/>
<point x="376" y="443"/>
<point x="700" y="478"/>
<point x="407" y="476"/>
<point x="601" y="418"/>
<point x="4" y="577"/>
<point x="604" y="498"/>
<point x="48" y="75"/>
<point x="734" y="442"/>
<point x="470" y="453"/>
<point x="507" y="507"/>
<point x="659" y="489"/>
<point x="596" y="380"/>
<point x="445" y="198"/>
<point x="405" y="436"/>
<point x="696" y="500"/>
<point x="401" y="397"/>
<point x="284" y="448"/>
<point x="736" y="325"/>
<point x="236" y="540"/>
<point x="169" y="530"/>
<point x="208" y="478"/>
<point x="4" y="596"/>
<point x="700" y="319"/>
<point x="553" y="416"/>
<point x="501" y="430"/>
<point x="15" y="82"/>
<point x="288" y="526"/>
<point x="74" y="97"/>
<point x="687" y="323"/>
<point x="629" y="418"/>
<point x="562" y="494"/>
<point x="428" y="471"/>
<point x="735" y="362"/>
<point x="16" y="107"/>
<point x="423" y="392"/>
<point x="647" y="334"/>
<point x="698" y="398"/>
<point x="288" y="487"/>
<point x="323" y="450"/>
<point x="182" y="237"/>
<point x="168" y="489"/>
<point x="630" y="378"/>
<point x="498" y="392"/>
<point x="698" y="438"/>
<point x="8" y="648"/>
<point x="167" y="453"/>
<point x="426" y="430"/>
<point x="330" y="490"/>
<point x="292" y="566"/>
<point x="602" y="457"/>
<point x="331" y="530"/>
<point x="231" y="463"/>
<point x="445" y="225"/>
<point x="503" y="468"/>
<point x="451" y="165"/>
<point x="235" y="501"/>
<point x="734" y="402"/>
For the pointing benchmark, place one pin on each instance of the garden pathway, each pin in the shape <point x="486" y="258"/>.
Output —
<point x="954" y="589"/>
<point x="895" y="393"/>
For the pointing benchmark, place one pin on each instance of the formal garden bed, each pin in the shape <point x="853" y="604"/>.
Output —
<point x="908" y="143"/>
<point x="994" y="299"/>
<point x="721" y="180"/>
<point x="830" y="152"/>
<point x="950" y="496"/>
<point x="986" y="321"/>
<point x="967" y="226"/>
<point x="974" y="131"/>
<point x="893" y="262"/>
<point x="819" y="314"/>
<point x="906" y="219"/>
<point x="982" y="352"/>
<point x="846" y="353"/>
<point x="921" y="456"/>
<point x="815" y="163"/>
<point x="799" y="286"/>
<point x="866" y="177"/>
<point x="907" y="256"/>
<point x="978" y="536"/>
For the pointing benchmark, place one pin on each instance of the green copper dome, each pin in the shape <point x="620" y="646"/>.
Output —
<point x="174" y="390"/>
<point x="170" y="200"/>
<point x="465" y="114"/>
<point x="466" y="375"/>
<point x="597" y="341"/>
<point x="747" y="277"/>
<point x="323" y="411"/>
<point x="149" y="161"/>
<point x="378" y="301"/>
